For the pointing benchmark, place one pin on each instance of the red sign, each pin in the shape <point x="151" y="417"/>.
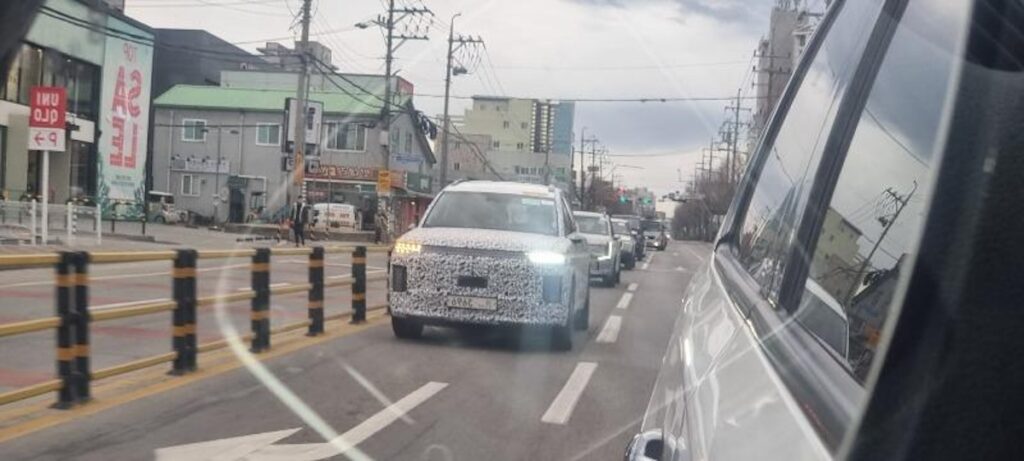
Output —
<point x="47" y="106"/>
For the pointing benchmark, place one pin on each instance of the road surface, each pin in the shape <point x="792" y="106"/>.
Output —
<point x="453" y="395"/>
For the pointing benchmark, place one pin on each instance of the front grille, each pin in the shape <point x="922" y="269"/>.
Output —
<point x="552" y="289"/>
<point x="598" y="250"/>
<point x="399" y="278"/>
<point x="476" y="252"/>
<point x="472" y="282"/>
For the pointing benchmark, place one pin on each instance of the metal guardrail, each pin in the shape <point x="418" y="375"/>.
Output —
<point x="74" y="316"/>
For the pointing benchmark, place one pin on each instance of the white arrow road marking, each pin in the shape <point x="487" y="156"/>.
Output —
<point x="624" y="301"/>
<point x="610" y="332"/>
<point x="632" y="287"/>
<point x="258" y="447"/>
<point x="561" y="408"/>
<point x="224" y="449"/>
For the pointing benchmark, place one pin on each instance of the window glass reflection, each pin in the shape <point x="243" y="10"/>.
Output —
<point x="877" y="205"/>
<point x="785" y="180"/>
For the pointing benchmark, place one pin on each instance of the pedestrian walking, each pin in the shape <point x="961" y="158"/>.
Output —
<point x="299" y="219"/>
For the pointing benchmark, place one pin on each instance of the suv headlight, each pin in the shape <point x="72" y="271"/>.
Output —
<point x="546" y="258"/>
<point x="608" y="254"/>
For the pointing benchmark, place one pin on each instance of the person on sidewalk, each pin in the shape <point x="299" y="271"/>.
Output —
<point x="298" y="216"/>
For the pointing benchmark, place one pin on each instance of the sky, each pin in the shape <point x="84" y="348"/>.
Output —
<point x="548" y="49"/>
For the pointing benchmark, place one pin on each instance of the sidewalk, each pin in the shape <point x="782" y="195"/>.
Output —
<point x="164" y="237"/>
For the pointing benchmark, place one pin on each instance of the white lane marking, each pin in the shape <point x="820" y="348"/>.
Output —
<point x="632" y="287"/>
<point x="561" y="408"/>
<point x="272" y="285"/>
<point x="610" y="332"/>
<point x="624" y="301"/>
<point x="645" y="265"/>
<point x="258" y="447"/>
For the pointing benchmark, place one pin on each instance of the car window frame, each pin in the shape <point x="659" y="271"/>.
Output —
<point x="808" y="371"/>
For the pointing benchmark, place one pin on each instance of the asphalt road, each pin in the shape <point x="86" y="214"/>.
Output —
<point x="453" y="395"/>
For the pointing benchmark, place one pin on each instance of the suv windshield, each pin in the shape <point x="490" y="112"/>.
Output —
<point x="485" y="210"/>
<point x="592" y="224"/>
<point x="620" y="227"/>
<point x="652" y="226"/>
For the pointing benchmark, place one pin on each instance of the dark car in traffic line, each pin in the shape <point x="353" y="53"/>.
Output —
<point x="862" y="301"/>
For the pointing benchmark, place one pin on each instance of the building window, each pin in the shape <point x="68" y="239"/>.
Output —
<point x="497" y="144"/>
<point x="83" y="169"/>
<point x="268" y="134"/>
<point x="456" y="166"/>
<point x="523" y="125"/>
<point x="506" y="124"/>
<point x="189" y="185"/>
<point x="408" y="143"/>
<point x="193" y="130"/>
<point x="520" y="146"/>
<point x="346" y="137"/>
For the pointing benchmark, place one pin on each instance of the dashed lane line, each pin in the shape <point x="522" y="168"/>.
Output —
<point x="610" y="332"/>
<point x="565" y="402"/>
<point x="632" y="287"/>
<point x="624" y="301"/>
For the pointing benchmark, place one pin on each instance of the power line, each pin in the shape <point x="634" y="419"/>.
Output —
<point x="640" y="100"/>
<point x="202" y="3"/>
<point x="620" y="68"/>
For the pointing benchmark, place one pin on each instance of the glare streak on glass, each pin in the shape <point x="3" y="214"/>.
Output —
<point x="785" y="180"/>
<point x="877" y="206"/>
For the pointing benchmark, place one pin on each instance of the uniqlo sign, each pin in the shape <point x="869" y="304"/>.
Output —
<point x="47" y="109"/>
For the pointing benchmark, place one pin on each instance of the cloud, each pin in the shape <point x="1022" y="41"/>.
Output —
<point x="729" y="12"/>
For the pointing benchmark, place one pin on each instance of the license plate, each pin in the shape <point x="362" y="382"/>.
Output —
<point x="472" y="302"/>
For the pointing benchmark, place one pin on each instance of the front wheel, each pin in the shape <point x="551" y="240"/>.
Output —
<point x="158" y="219"/>
<point x="405" y="328"/>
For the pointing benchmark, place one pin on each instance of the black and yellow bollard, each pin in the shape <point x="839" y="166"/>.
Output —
<point x="260" y="316"/>
<point x="80" y="314"/>
<point x="316" y="291"/>
<point x="183" y="290"/>
<point x="359" y="285"/>
<point x="65" y="341"/>
<point x="189" y="310"/>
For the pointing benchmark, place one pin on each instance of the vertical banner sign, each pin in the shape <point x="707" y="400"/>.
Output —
<point x="124" y="125"/>
<point x="47" y="109"/>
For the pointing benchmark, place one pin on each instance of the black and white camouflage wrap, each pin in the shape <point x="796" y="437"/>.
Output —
<point x="513" y="280"/>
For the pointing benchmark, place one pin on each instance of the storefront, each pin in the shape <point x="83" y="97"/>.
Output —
<point x="105" y="68"/>
<point x="358" y="186"/>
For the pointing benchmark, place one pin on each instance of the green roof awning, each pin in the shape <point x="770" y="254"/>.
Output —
<point x="216" y="97"/>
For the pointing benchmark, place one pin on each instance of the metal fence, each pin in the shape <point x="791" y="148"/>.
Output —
<point x="72" y="318"/>
<point x="22" y="222"/>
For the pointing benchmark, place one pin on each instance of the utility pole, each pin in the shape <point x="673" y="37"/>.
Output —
<point x="299" y="125"/>
<point x="451" y="70"/>
<point x="385" y="209"/>
<point x="902" y="201"/>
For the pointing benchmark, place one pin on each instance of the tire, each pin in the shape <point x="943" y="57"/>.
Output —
<point x="158" y="220"/>
<point x="406" y="329"/>
<point x="582" y="321"/>
<point x="618" y="276"/>
<point x="561" y="338"/>
<point x="631" y="262"/>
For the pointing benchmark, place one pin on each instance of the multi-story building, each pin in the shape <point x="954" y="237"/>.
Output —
<point x="224" y="143"/>
<point x="529" y="140"/>
<point x="104" y="60"/>
<point x="283" y="58"/>
<point x="196" y="57"/>
<point x="790" y="27"/>
<point x="835" y="261"/>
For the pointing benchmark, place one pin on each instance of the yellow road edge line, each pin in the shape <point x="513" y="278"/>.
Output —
<point x="295" y="342"/>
